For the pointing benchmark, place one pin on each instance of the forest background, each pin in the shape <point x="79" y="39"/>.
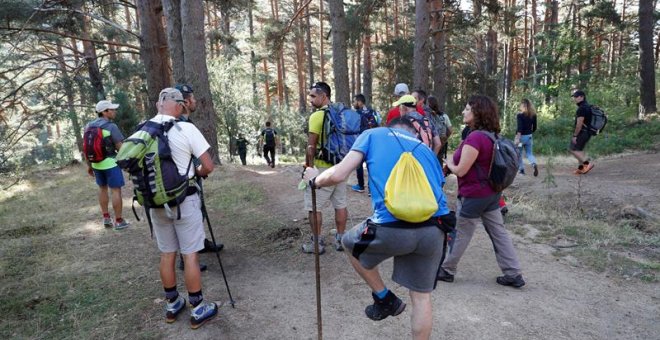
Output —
<point x="252" y="61"/>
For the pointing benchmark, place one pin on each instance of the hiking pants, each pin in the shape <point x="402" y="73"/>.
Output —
<point x="527" y="143"/>
<point x="360" y="175"/>
<point x="493" y="222"/>
<point x="269" y="149"/>
<point x="243" y="155"/>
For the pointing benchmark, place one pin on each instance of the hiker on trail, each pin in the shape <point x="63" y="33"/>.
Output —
<point x="415" y="247"/>
<point x="581" y="134"/>
<point x="370" y="119"/>
<point x="319" y="98"/>
<point x="102" y="140"/>
<point x="241" y="146"/>
<point x="269" y="141"/>
<point x="477" y="201"/>
<point x="186" y="234"/>
<point x="441" y="123"/>
<point x="400" y="90"/>
<point x="526" y="126"/>
<point x="425" y="130"/>
<point x="190" y="106"/>
<point x="422" y="107"/>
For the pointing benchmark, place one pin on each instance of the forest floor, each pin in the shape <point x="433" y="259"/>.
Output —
<point x="589" y="247"/>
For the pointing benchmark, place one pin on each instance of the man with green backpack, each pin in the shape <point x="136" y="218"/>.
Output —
<point x="409" y="222"/>
<point x="158" y="156"/>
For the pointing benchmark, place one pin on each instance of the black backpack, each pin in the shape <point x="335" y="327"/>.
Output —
<point x="598" y="120"/>
<point x="504" y="164"/>
<point x="269" y="136"/>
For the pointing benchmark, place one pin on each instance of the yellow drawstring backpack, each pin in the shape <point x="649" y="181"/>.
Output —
<point x="408" y="193"/>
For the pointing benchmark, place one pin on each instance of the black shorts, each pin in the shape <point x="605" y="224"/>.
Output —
<point x="582" y="139"/>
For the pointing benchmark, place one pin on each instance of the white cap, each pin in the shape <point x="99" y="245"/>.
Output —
<point x="170" y="94"/>
<point x="400" y="89"/>
<point x="105" y="105"/>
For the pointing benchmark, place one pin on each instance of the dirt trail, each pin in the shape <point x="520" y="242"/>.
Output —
<point x="275" y="290"/>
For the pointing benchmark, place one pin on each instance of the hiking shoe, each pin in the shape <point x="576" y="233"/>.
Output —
<point x="202" y="313"/>
<point x="536" y="170"/>
<point x="107" y="222"/>
<point x="516" y="281"/>
<point x="210" y="248"/>
<point x="174" y="308"/>
<point x="308" y="248"/>
<point x="443" y="275"/>
<point x="587" y="168"/>
<point x="381" y="309"/>
<point x="121" y="224"/>
<point x="338" y="245"/>
<point x="522" y="172"/>
<point x="357" y="188"/>
<point x="504" y="210"/>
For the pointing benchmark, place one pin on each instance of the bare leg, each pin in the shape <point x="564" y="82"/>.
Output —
<point x="116" y="202"/>
<point x="103" y="199"/>
<point x="580" y="155"/>
<point x="167" y="273"/>
<point x="191" y="273"/>
<point x="421" y="319"/>
<point x="341" y="216"/>
<point x="370" y="276"/>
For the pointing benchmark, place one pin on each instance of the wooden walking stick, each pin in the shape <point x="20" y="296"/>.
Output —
<point x="317" y="267"/>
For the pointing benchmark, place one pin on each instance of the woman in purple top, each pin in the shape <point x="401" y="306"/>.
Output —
<point x="477" y="201"/>
<point x="526" y="125"/>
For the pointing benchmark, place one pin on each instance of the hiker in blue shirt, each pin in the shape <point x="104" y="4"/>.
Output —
<point x="370" y="120"/>
<point x="416" y="248"/>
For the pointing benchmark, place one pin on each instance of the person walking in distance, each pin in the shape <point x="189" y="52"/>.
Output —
<point x="416" y="247"/>
<point x="581" y="134"/>
<point x="319" y="98"/>
<point x="477" y="202"/>
<point x="441" y="123"/>
<point x="526" y="126"/>
<point x="105" y="135"/>
<point x="369" y="119"/>
<point x="184" y="234"/>
<point x="269" y="141"/>
<point x="241" y="146"/>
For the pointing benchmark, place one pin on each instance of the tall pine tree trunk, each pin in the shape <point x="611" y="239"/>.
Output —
<point x="68" y="91"/>
<point x="367" y="75"/>
<point x="89" y="50"/>
<point x="153" y="51"/>
<point x="339" y="53"/>
<point x="647" y="103"/>
<point x="308" y="47"/>
<point x="194" y="51"/>
<point x="438" y="44"/>
<point x="172" y="11"/>
<point x="421" y="51"/>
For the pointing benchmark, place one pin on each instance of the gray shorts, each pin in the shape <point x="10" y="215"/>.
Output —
<point x="186" y="234"/>
<point x="416" y="251"/>
<point x="335" y="194"/>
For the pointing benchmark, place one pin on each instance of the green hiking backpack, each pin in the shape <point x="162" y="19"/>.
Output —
<point x="147" y="157"/>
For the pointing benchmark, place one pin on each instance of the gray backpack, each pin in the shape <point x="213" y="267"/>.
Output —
<point x="504" y="164"/>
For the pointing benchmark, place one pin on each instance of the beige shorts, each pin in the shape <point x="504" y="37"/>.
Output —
<point x="334" y="194"/>
<point x="186" y="234"/>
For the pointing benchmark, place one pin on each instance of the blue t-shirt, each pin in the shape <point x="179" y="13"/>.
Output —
<point x="381" y="152"/>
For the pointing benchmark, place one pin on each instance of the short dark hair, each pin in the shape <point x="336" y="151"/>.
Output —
<point x="319" y="85"/>
<point x="360" y="97"/>
<point x="267" y="123"/>
<point x="422" y="94"/>
<point x="434" y="104"/>
<point x="402" y="121"/>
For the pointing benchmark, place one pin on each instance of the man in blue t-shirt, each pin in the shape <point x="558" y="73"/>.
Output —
<point x="416" y="248"/>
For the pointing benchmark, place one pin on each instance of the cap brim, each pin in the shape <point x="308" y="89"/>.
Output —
<point x="113" y="106"/>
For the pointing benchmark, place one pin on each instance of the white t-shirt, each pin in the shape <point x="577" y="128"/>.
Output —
<point x="447" y="121"/>
<point x="185" y="140"/>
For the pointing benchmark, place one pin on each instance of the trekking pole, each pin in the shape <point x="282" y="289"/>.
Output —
<point x="317" y="267"/>
<point x="205" y="215"/>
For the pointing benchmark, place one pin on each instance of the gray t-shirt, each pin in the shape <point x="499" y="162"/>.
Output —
<point x="105" y="124"/>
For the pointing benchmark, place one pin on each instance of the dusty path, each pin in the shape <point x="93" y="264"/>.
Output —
<point x="273" y="282"/>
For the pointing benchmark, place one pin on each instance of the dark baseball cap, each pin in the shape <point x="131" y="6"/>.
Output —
<point x="578" y="93"/>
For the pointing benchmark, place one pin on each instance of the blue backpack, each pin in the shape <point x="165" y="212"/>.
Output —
<point x="341" y="126"/>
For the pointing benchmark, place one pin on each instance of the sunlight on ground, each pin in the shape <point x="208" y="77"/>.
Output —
<point x="90" y="228"/>
<point x="24" y="186"/>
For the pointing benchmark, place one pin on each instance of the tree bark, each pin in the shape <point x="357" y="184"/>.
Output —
<point x="421" y="52"/>
<point x="68" y="90"/>
<point x="367" y="75"/>
<point x="439" y="42"/>
<point x="339" y="54"/>
<point x="153" y="51"/>
<point x="194" y="51"/>
<point x="322" y="39"/>
<point x="172" y="12"/>
<point x="89" y="50"/>
<point x="308" y="46"/>
<point x="647" y="103"/>
<point x="253" y="58"/>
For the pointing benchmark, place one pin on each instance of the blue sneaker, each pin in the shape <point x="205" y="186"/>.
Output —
<point x="202" y="313"/>
<point x="173" y="309"/>
<point x="357" y="188"/>
<point x="121" y="224"/>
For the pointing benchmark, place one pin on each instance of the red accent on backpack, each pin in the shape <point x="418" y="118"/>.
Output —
<point x="93" y="144"/>
<point x="423" y="132"/>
